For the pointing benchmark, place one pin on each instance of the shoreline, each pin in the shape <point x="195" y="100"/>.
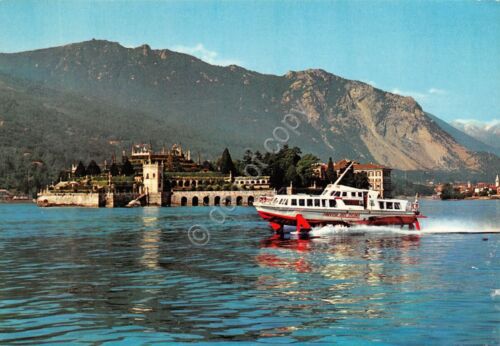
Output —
<point x="17" y="202"/>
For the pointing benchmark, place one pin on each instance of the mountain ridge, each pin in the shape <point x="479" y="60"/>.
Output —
<point x="239" y="107"/>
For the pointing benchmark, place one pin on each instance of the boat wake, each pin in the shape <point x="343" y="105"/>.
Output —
<point x="440" y="227"/>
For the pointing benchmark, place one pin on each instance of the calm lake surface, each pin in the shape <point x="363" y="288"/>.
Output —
<point x="133" y="276"/>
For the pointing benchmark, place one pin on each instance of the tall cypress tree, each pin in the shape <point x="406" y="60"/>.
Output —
<point x="331" y="175"/>
<point x="127" y="168"/>
<point x="80" y="170"/>
<point x="114" y="170"/>
<point x="226" y="163"/>
<point x="93" y="168"/>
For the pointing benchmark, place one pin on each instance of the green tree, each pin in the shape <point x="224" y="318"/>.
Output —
<point x="331" y="174"/>
<point x="361" y="180"/>
<point x="226" y="163"/>
<point x="93" y="168"/>
<point x="113" y="170"/>
<point x="348" y="179"/>
<point x="63" y="176"/>
<point x="127" y="168"/>
<point x="291" y="176"/>
<point x="247" y="157"/>
<point x="305" y="169"/>
<point x="80" y="170"/>
<point x="277" y="164"/>
<point x="206" y="165"/>
<point x="448" y="192"/>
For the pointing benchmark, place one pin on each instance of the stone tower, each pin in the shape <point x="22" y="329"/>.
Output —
<point x="152" y="175"/>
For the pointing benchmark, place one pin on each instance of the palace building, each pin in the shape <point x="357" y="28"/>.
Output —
<point x="174" y="159"/>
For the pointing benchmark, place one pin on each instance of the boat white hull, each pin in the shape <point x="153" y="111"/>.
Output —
<point x="279" y="216"/>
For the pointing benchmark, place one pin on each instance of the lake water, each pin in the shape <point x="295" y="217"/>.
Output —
<point x="133" y="276"/>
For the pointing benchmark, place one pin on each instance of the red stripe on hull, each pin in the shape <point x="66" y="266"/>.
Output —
<point x="372" y="221"/>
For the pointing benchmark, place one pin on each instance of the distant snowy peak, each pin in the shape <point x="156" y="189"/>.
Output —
<point x="488" y="132"/>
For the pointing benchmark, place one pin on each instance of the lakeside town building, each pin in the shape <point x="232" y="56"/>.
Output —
<point x="468" y="189"/>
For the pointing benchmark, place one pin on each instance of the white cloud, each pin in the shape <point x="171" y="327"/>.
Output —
<point x="436" y="91"/>
<point x="367" y="81"/>
<point x="420" y="95"/>
<point x="210" y="56"/>
<point x="415" y="94"/>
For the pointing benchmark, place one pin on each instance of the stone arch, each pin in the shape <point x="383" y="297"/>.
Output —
<point x="206" y="201"/>
<point x="194" y="201"/>
<point x="193" y="182"/>
<point x="217" y="200"/>
<point x="250" y="200"/>
<point x="184" y="201"/>
<point x="239" y="200"/>
<point x="227" y="200"/>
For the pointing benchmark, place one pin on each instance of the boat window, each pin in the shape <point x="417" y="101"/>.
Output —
<point x="317" y="203"/>
<point x="360" y="194"/>
<point x="294" y="201"/>
<point x="353" y="194"/>
<point x="323" y="202"/>
<point x="309" y="202"/>
<point x="301" y="202"/>
<point x="381" y="205"/>
<point x="372" y="203"/>
<point x="333" y="193"/>
<point x="397" y="205"/>
<point x="389" y="205"/>
<point x="333" y="203"/>
<point x="344" y="194"/>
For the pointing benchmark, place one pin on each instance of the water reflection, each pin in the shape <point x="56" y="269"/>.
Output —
<point x="336" y="271"/>
<point x="99" y="275"/>
<point x="150" y="243"/>
<point x="343" y="257"/>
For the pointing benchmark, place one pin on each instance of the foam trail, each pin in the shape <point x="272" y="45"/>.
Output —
<point x="459" y="226"/>
<point x="435" y="227"/>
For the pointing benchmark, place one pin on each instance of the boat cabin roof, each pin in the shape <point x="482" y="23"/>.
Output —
<point x="332" y="187"/>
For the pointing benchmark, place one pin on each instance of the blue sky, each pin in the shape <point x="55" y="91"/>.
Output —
<point x="446" y="54"/>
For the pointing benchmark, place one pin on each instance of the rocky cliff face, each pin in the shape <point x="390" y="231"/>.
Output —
<point x="239" y="108"/>
<point x="391" y="129"/>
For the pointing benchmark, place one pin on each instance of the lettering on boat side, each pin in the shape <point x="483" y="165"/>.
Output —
<point x="348" y="215"/>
